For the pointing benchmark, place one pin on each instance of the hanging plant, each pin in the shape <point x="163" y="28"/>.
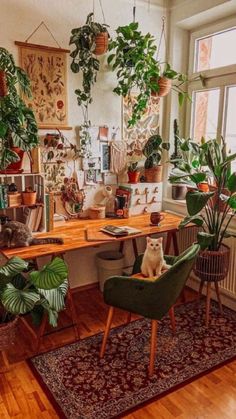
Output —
<point x="89" y="40"/>
<point x="133" y="59"/>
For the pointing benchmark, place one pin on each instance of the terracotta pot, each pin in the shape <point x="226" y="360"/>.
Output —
<point x="101" y="41"/>
<point x="179" y="192"/>
<point x="133" y="177"/>
<point x="212" y="265"/>
<point x="8" y="333"/>
<point x="3" y="84"/>
<point x="203" y="187"/>
<point x="29" y="198"/>
<point x="154" y="174"/>
<point x="164" y="87"/>
<point x="16" y="167"/>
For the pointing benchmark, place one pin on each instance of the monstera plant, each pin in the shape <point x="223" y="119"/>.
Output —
<point x="18" y="127"/>
<point x="24" y="291"/>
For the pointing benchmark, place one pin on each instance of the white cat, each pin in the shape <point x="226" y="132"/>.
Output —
<point x="153" y="258"/>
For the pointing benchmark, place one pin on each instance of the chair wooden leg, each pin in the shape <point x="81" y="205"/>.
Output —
<point x="208" y="303"/>
<point x="154" y="326"/>
<point x="129" y="315"/>
<point x="218" y="297"/>
<point x="172" y="319"/>
<point x="200" y="289"/>
<point x="107" y="331"/>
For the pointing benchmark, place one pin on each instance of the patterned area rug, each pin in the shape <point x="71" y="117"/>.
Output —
<point x="85" y="387"/>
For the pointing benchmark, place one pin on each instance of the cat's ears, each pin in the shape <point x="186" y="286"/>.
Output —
<point x="148" y="239"/>
<point x="160" y="239"/>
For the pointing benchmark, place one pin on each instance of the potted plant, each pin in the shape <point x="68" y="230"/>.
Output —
<point x="18" y="127"/>
<point x="133" y="170"/>
<point x="178" y="190"/>
<point x="29" y="196"/>
<point x="152" y="151"/>
<point x="204" y="209"/>
<point x="33" y="292"/>
<point x="89" y="40"/>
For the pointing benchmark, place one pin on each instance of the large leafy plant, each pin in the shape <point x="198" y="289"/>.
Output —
<point x="212" y="211"/>
<point x="153" y="151"/>
<point x="33" y="292"/>
<point x="18" y="127"/>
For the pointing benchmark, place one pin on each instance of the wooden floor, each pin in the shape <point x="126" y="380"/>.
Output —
<point x="213" y="396"/>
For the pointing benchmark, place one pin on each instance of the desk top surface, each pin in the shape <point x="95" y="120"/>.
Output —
<point x="73" y="233"/>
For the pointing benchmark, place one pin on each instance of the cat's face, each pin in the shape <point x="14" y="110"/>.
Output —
<point x="154" y="244"/>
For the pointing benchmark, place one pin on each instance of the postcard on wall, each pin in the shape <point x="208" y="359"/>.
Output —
<point x="90" y="177"/>
<point x="47" y="70"/>
<point x="105" y="157"/>
<point x="114" y="133"/>
<point x="103" y="133"/>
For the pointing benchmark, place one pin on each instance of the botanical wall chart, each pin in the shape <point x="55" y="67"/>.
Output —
<point x="46" y="68"/>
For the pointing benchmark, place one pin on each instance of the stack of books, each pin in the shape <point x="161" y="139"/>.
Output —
<point x="33" y="217"/>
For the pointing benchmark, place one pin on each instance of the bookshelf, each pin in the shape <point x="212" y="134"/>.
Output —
<point x="19" y="212"/>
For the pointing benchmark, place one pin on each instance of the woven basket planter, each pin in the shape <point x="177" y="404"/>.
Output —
<point x="154" y="174"/>
<point x="101" y="41"/>
<point x="3" y="84"/>
<point x="8" y="333"/>
<point x="212" y="265"/>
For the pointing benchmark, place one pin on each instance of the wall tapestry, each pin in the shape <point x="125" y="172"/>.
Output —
<point x="147" y="126"/>
<point x="46" y="68"/>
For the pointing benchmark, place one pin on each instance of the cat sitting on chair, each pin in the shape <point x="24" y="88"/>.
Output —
<point x="153" y="259"/>
<point x="16" y="234"/>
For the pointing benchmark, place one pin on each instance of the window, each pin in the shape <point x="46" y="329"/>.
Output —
<point x="212" y="111"/>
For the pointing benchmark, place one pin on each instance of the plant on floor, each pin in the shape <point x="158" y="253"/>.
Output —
<point x="212" y="211"/>
<point x="35" y="292"/>
<point x="84" y="60"/>
<point x="153" y="153"/>
<point x="18" y="127"/>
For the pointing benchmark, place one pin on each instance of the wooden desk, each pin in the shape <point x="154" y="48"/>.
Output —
<point x="74" y="235"/>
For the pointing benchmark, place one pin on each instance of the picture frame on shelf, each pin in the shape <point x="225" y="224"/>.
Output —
<point x="105" y="157"/>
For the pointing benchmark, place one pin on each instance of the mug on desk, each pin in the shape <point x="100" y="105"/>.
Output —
<point x="155" y="218"/>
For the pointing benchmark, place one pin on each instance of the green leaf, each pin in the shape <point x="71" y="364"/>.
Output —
<point x="205" y="239"/>
<point x="231" y="183"/>
<point x="198" y="177"/>
<point x="197" y="200"/>
<point x="195" y="219"/>
<point x="51" y="275"/>
<point x="13" y="267"/>
<point x="181" y="98"/>
<point x="17" y="301"/>
<point x="3" y="129"/>
<point x="232" y="202"/>
<point x="56" y="296"/>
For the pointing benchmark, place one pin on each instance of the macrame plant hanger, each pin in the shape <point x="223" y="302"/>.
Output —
<point x="102" y="10"/>
<point x="134" y="11"/>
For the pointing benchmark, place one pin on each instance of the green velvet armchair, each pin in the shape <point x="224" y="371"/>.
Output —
<point x="149" y="298"/>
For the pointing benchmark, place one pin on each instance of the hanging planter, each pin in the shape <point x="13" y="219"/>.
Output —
<point x="101" y="42"/>
<point x="3" y="84"/>
<point x="164" y="88"/>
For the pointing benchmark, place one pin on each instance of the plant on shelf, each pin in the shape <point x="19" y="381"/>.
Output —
<point x="133" y="170"/>
<point x="211" y="211"/>
<point x="133" y="58"/>
<point x="34" y="292"/>
<point x="18" y="127"/>
<point x="89" y="40"/>
<point x="153" y="152"/>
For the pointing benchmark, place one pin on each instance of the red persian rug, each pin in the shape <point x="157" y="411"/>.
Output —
<point x="84" y="387"/>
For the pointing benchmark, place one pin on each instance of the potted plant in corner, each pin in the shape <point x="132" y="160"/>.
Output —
<point x="18" y="127"/>
<point x="178" y="190"/>
<point x="34" y="292"/>
<point x="204" y="210"/>
<point x="153" y="152"/>
<point x="89" y="40"/>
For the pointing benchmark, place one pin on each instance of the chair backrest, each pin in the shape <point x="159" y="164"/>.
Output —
<point x="162" y="293"/>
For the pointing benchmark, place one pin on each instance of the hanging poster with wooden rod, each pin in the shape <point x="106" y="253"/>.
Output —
<point x="46" y="67"/>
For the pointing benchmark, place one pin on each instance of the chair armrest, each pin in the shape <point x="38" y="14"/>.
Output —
<point x="170" y="260"/>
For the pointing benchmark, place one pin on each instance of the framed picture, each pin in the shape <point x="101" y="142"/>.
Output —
<point x="105" y="157"/>
<point x="47" y="70"/>
<point x="90" y="177"/>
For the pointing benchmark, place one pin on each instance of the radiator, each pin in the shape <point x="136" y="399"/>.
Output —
<point x="188" y="235"/>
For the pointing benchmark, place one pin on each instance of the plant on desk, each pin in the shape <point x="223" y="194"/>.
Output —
<point x="35" y="292"/>
<point x="18" y="127"/>
<point x="153" y="153"/>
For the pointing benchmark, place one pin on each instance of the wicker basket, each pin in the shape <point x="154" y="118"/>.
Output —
<point x="3" y="84"/>
<point x="213" y="265"/>
<point x="154" y="174"/>
<point x="8" y="333"/>
<point x="101" y="41"/>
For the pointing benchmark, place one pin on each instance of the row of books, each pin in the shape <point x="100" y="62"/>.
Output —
<point x="33" y="217"/>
